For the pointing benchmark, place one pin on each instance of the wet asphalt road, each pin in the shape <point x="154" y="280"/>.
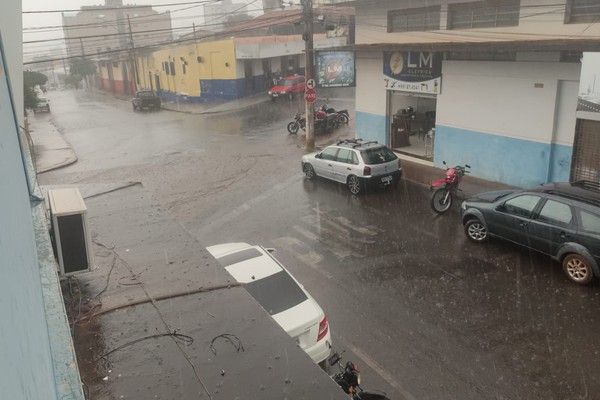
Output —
<point x="425" y="313"/>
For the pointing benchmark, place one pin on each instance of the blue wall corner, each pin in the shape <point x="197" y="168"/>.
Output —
<point x="371" y="127"/>
<point x="512" y="161"/>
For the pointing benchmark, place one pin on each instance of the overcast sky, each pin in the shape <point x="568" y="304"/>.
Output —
<point x="181" y="16"/>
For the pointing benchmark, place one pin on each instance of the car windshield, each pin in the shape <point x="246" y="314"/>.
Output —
<point x="146" y="94"/>
<point x="277" y="292"/>
<point x="378" y="156"/>
<point x="286" y="82"/>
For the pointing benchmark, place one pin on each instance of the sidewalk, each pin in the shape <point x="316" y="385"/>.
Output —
<point x="425" y="174"/>
<point x="51" y="150"/>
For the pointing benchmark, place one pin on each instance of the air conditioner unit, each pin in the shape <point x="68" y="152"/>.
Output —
<point x="70" y="231"/>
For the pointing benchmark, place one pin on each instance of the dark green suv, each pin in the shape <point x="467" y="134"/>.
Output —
<point x="558" y="219"/>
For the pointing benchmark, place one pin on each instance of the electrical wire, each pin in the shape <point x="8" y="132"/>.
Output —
<point x="187" y="340"/>
<point x="121" y="7"/>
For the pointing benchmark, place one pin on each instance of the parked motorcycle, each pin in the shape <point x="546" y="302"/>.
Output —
<point x="445" y="189"/>
<point x="326" y="121"/>
<point x="342" y="116"/>
<point x="348" y="378"/>
<point x="298" y="123"/>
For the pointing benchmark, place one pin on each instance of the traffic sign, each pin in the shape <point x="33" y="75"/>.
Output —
<point x="311" y="84"/>
<point x="310" y="95"/>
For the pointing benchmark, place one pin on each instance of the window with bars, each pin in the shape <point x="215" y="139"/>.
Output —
<point x="415" y="19"/>
<point x="580" y="11"/>
<point x="484" y="14"/>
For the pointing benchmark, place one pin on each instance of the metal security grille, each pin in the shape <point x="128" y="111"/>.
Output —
<point x="484" y="14"/>
<point x="586" y="151"/>
<point x="416" y="19"/>
<point x="580" y="11"/>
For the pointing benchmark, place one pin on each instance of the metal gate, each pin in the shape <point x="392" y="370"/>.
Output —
<point x="586" y="151"/>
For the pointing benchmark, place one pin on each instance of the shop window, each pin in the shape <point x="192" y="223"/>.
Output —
<point x="581" y="11"/>
<point x="484" y="14"/>
<point x="414" y="19"/>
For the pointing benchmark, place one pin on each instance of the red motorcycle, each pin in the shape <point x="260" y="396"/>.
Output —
<point x="445" y="189"/>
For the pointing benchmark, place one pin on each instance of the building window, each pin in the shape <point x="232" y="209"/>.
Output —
<point x="414" y="19"/>
<point x="484" y="14"/>
<point x="482" y="56"/>
<point x="580" y="11"/>
<point x="172" y="68"/>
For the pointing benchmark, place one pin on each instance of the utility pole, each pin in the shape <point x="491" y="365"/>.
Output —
<point x="308" y="52"/>
<point x="135" y="73"/>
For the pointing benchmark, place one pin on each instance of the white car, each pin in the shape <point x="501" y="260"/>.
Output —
<point x="356" y="163"/>
<point x="276" y="290"/>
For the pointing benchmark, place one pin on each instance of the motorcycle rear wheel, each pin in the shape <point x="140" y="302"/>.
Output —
<point x="344" y="119"/>
<point x="441" y="201"/>
<point x="293" y="127"/>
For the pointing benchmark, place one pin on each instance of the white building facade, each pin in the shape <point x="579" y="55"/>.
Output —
<point x="497" y="80"/>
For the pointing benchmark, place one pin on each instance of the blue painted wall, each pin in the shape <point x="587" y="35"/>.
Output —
<point x="560" y="163"/>
<point x="498" y="158"/>
<point x="371" y="127"/>
<point x="219" y="90"/>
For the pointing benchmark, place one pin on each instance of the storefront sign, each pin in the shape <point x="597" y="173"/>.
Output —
<point x="412" y="71"/>
<point x="335" y="68"/>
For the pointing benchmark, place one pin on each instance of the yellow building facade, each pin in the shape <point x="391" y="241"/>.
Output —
<point x="191" y="72"/>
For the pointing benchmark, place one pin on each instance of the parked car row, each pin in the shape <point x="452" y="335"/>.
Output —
<point x="561" y="220"/>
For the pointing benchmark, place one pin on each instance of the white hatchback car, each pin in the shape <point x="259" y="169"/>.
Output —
<point x="276" y="290"/>
<point x="356" y="163"/>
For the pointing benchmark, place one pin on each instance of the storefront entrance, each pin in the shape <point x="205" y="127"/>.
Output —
<point x="412" y="120"/>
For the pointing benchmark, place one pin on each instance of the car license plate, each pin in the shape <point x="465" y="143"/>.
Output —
<point x="275" y="94"/>
<point x="386" y="179"/>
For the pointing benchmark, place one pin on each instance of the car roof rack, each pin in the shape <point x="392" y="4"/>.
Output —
<point x="585" y="191"/>
<point x="356" y="142"/>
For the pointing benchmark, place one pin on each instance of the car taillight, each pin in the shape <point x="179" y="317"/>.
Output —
<point x="323" y="329"/>
<point x="367" y="171"/>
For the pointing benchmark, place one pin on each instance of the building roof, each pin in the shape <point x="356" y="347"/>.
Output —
<point x="291" y="16"/>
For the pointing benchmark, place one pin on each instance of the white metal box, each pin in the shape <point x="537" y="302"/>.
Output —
<point x="70" y="231"/>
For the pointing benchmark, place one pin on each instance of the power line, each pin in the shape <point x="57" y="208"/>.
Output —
<point x="154" y="45"/>
<point x="89" y="8"/>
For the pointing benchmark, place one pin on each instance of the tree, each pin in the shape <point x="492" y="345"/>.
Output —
<point x="80" y="68"/>
<point x="31" y="79"/>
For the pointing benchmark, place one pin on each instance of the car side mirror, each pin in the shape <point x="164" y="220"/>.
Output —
<point x="318" y="155"/>
<point x="500" y="207"/>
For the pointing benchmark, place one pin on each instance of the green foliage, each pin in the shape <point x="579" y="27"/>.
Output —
<point x="29" y="97"/>
<point x="32" y="78"/>
<point x="82" y="67"/>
